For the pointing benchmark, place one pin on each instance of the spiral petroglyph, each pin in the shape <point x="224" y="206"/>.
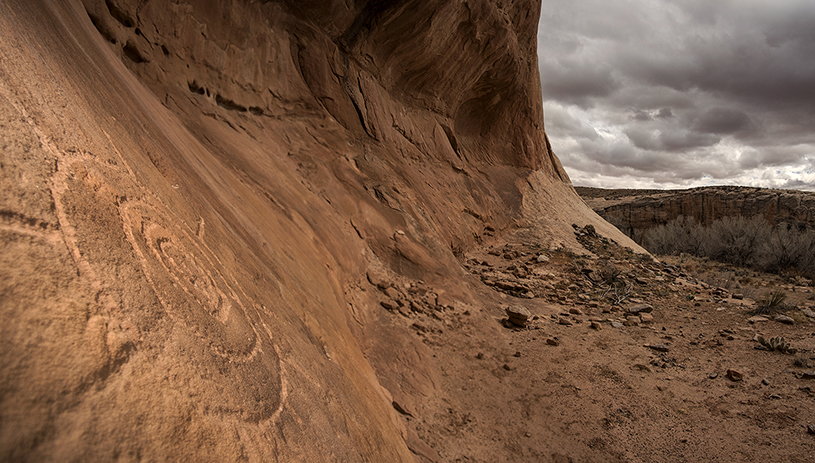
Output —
<point x="186" y="277"/>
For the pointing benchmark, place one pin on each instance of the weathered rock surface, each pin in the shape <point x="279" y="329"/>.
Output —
<point x="194" y="192"/>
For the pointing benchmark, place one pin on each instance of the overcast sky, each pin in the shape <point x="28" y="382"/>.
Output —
<point x="680" y="93"/>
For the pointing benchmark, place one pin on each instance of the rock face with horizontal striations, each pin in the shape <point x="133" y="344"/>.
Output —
<point x="192" y="195"/>
<point x="636" y="211"/>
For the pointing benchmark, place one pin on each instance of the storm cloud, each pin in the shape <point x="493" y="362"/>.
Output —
<point x="680" y="93"/>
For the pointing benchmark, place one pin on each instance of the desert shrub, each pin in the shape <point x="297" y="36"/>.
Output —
<point x="744" y="242"/>
<point x="735" y="240"/>
<point x="681" y="235"/>
<point x="772" y="302"/>
<point x="788" y="248"/>
<point x="609" y="275"/>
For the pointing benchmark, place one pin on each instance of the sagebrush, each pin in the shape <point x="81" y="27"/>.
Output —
<point x="745" y="242"/>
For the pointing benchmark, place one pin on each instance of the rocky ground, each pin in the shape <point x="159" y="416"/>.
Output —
<point x="610" y="356"/>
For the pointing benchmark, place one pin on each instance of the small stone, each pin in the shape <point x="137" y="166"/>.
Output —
<point x="757" y="319"/>
<point x="616" y="324"/>
<point x="419" y="327"/>
<point x="518" y="354"/>
<point x="378" y="280"/>
<point x="632" y="320"/>
<point x="775" y="396"/>
<point x="738" y="296"/>
<point x="479" y="355"/>
<point x="575" y="311"/>
<point x="808" y="313"/>
<point x="494" y="252"/>
<point x="734" y="375"/>
<point x="637" y="308"/>
<point x="390" y="305"/>
<point x="713" y="375"/>
<point x="518" y="315"/>
<point x="564" y="321"/>
<point x="810" y="374"/>
<point x="417" y="307"/>
<point x="507" y="367"/>
<point x="765" y="382"/>
<point x="392" y="292"/>
<point x="542" y="259"/>
<point x="553" y="342"/>
<point x="658" y="347"/>
<point x="784" y="319"/>
<point x="596" y="326"/>
<point x="595" y="304"/>
<point x="646" y="317"/>
<point x="811" y="428"/>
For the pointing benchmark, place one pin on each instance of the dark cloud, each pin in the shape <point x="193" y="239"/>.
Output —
<point x="681" y="92"/>
<point x="722" y="121"/>
<point x="665" y="113"/>
<point x="641" y="115"/>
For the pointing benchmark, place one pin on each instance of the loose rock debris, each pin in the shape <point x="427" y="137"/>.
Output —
<point x="626" y="332"/>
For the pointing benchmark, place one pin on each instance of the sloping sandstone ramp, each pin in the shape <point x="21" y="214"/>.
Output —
<point x="193" y="193"/>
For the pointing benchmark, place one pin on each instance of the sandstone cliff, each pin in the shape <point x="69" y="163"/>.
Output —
<point x="635" y="211"/>
<point x="199" y="196"/>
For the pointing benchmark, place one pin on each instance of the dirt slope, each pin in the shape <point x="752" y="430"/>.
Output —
<point x="195" y="198"/>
